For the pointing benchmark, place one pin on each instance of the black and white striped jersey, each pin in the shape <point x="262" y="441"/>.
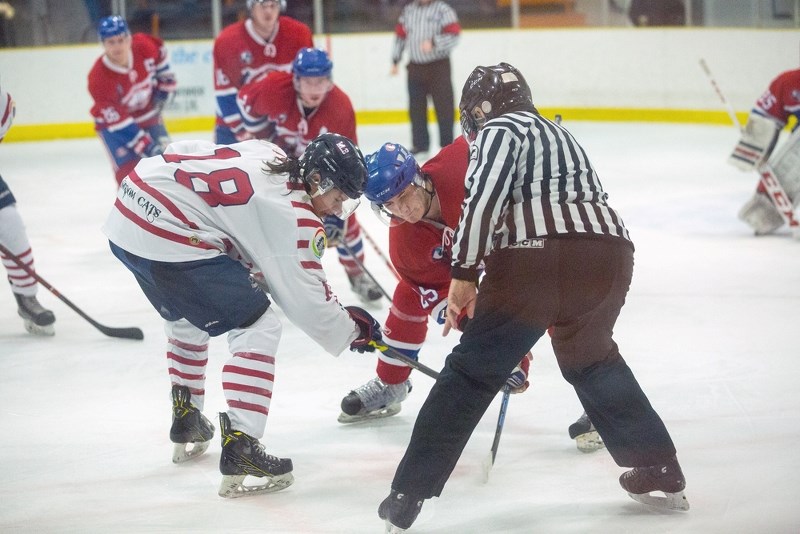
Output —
<point x="528" y="178"/>
<point x="436" y="22"/>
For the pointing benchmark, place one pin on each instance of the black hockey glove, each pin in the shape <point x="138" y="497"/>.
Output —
<point x="370" y="329"/>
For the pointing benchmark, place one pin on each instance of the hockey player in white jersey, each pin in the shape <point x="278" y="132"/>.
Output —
<point x="193" y="225"/>
<point x="37" y="319"/>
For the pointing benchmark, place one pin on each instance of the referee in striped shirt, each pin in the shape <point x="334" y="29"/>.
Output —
<point x="430" y="30"/>
<point x="556" y="254"/>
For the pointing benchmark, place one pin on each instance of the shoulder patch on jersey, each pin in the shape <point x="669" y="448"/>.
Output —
<point x="319" y="243"/>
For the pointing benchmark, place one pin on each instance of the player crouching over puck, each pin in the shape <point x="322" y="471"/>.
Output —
<point x="192" y="225"/>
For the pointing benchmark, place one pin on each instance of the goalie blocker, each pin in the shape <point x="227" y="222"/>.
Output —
<point x="778" y="194"/>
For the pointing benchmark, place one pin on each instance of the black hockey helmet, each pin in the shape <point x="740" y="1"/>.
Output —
<point x="339" y="163"/>
<point x="488" y="93"/>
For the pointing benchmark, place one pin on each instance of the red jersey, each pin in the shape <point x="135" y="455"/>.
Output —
<point x="421" y="252"/>
<point x="124" y="96"/>
<point x="271" y="105"/>
<point x="241" y="56"/>
<point x="782" y="99"/>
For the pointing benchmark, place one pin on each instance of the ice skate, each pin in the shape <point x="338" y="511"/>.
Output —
<point x="366" y="289"/>
<point x="373" y="400"/>
<point x="191" y="432"/>
<point x="399" y="511"/>
<point x="243" y="455"/>
<point x="666" y="478"/>
<point x="586" y="437"/>
<point x="38" y="320"/>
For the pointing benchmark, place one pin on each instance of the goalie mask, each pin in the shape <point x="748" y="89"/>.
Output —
<point x="490" y="92"/>
<point x="339" y="163"/>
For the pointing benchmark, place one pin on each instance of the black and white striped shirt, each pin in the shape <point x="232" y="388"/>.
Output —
<point x="436" y="22"/>
<point x="528" y="178"/>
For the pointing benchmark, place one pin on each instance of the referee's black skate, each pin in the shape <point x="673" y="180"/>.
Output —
<point x="243" y="455"/>
<point x="667" y="478"/>
<point x="37" y="319"/>
<point x="399" y="511"/>
<point x="191" y="432"/>
<point x="585" y="435"/>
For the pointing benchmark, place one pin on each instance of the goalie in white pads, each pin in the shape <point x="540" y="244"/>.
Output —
<point x="769" y="209"/>
<point x="192" y="225"/>
<point x="37" y="319"/>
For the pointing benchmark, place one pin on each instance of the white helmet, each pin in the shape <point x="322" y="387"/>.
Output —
<point x="281" y="3"/>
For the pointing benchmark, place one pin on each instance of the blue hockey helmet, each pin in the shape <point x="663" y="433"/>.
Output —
<point x="312" y="62"/>
<point x="389" y="171"/>
<point x="111" y="26"/>
<point x="281" y="3"/>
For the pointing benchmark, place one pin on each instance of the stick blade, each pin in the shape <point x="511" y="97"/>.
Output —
<point x="123" y="333"/>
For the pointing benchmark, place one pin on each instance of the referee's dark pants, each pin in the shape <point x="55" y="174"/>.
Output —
<point x="430" y="79"/>
<point x="576" y="285"/>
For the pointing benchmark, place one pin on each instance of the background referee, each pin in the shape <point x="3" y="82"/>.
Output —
<point x="429" y="29"/>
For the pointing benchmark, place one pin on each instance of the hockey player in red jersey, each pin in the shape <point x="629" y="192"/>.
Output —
<point x="37" y="319"/>
<point x="130" y="84"/>
<point x="291" y="109"/>
<point x="423" y="207"/>
<point x="192" y="226"/>
<point x="759" y="138"/>
<point x="267" y="41"/>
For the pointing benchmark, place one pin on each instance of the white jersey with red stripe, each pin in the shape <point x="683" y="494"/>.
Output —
<point x="199" y="200"/>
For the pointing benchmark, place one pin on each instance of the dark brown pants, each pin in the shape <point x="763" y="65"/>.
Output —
<point x="576" y="285"/>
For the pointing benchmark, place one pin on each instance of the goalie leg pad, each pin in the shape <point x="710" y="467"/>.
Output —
<point x="760" y="213"/>
<point x="785" y="165"/>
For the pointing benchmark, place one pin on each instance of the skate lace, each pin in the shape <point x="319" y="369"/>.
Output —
<point x="376" y="394"/>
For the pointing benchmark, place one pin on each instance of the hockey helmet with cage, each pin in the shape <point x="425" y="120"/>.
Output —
<point x="389" y="171"/>
<point x="281" y="4"/>
<point x="490" y="92"/>
<point x="112" y="26"/>
<point x="339" y="163"/>
<point x="312" y="62"/>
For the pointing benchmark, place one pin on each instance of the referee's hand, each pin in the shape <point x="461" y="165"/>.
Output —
<point x="462" y="296"/>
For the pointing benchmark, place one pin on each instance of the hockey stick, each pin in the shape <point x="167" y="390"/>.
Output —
<point x="501" y="419"/>
<point x="775" y="191"/>
<point x="380" y="252"/>
<point x="397" y="355"/>
<point x="364" y="268"/>
<point x="125" y="333"/>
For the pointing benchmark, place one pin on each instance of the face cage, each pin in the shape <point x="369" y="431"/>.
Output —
<point x="469" y="127"/>
<point x="325" y="184"/>
<point x="386" y="216"/>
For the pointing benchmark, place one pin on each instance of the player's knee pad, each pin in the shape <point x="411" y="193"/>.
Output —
<point x="262" y="335"/>
<point x="185" y="332"/>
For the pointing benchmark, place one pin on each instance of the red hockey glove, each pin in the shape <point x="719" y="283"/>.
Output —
<point x="370" y="329"/>
<point x="518" y="380"/>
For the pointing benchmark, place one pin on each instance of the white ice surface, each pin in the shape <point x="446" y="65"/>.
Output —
<point x="710" y="329"/>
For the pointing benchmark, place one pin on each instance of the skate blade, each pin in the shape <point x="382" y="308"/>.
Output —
<point x="391" y="529"/>
<point x="232" y="486"/>
<point x="38" y="330"/>
<point x="589" y="442"/>
<point x="183" y="452"/>
<point x="670" y="501"/>
<point x="388" y="411"/>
